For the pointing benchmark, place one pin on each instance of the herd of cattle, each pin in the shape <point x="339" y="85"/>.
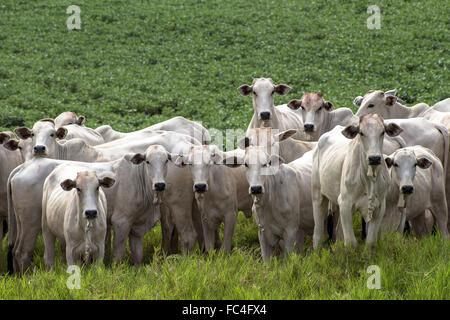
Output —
<point x="302" y="168"/>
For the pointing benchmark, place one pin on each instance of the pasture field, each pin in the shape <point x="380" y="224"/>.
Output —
<point x="136" y="63"/>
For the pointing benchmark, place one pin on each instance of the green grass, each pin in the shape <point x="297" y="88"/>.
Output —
<point x="135" y="63"/>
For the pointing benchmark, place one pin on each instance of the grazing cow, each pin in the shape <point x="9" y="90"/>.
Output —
<point x="348" y="171"/>
<point x="281" y="196"/>
<point x="74" y="211"/>
<point x="69" y="117"/>
<point x="417" y="185"/>
<point x="443" y="106"/>
<point x="177" y="124"/>
<point x="387" y="105"/>
<point x="220" y="192"/>
<point x="318" y="115"/>
<point x="25" y="194"/>
<point x="265" y="113"/>
<point x="277" y="142"/>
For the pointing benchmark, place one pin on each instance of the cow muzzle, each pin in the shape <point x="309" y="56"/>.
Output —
<point x="39" y="149"/>
<point x="159" y="186"/>
<point x="309" y="127"/>
<point x="407" y="189"/>
<point x="200" y="187"/>
<point x="374" y="160"/>
<point x="90" y="214"/>
<point x="265" y="115"/>
<point x="256" y="189"/>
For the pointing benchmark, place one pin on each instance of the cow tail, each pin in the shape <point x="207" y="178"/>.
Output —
<point x="444" y="132"/>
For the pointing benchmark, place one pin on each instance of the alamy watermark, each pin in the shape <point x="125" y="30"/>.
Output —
<point x="74" y="21"/>
<point x="374" y="21"/>
<point x="374" y="281"/>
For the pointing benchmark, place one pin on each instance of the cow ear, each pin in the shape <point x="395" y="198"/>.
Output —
<point x="294" y="104"/>
<point x="245" y="89"/>
<point x="350" y="131"/>
<point x="23" y="133"/>
<point x="357" y="101"/>
<point x="216" y="156"/>
<point x="392" y="129"/>
<point x="328" y="105"/>
<point x="275" y="160"/>
<point x="61" y="133"/>
<point x="137" y="158"/>
<point x="286" y="134"/>
<point x="4" y="137"/>
<point x="392" y="92"/>
<point x="424" y="163"/>
<point x="390" y="100"/>
<point x="389" y="161"/>
<point x="11" y="144"/>
<point x="178" y="160"/>
<point x="106" y="182"/>
<point x="243" y="143"/>
<point x="68" y="184"/>
<point x="233" y="162"/>
<point x="81" y="120"/>
<point x="282" y="89"/>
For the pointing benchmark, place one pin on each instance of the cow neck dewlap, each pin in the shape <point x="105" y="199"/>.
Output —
<point x="89" y="246"/>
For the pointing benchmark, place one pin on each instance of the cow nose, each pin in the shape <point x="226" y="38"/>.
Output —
<point x="407" y="189"/>
<point x="374" y="160"/>
<point x="160" y="186"/>
<point x="90" y="214"/>
<point x="256" y="189"/>
<point x="200" y="187"/>
<point x="265" y="115"/>
<point x="309" y="127"/>
<point x="39" y="149"/>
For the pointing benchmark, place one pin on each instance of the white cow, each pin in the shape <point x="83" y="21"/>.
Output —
<point x="74" y="211"/>
<point x="348" y="171"/>
<point x="417" y="185"/>
<point x="387" y="105"/>
<point x="318" y="115"/>
<point x="178" y="124"/>
<point x="69" y="117"/>
<point x="220" y="192"/>
<point x="281" y="195"/>
<point x="265" y="113"/>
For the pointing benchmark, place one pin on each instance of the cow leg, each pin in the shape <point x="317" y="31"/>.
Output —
<point x="62" y="246"/>
<point x="182" y="217"/>
<point x="266" y="247"/>
<point x="373" y="226"/>
<point x="137" y="250"/>
<point x="108" y="240"/>
<point x="167" y="230"/>
<point x="217" y="242"/>
<point x="441" y="218"/>
<point x="24" y="254"/>
<point x="228" y="229"/>
<point x="418" y="226"/>
<point x="197" y="219"/>
<point x="290" y="239"/>
<point x="209" y="233"/>
<point x="2" y="231"/>
<point x="71" y="255"/>
<point x="174" y="241"/>
<point x="320" y="211"/>
<point x="49" y="248"/>
<point x="347" y="222"/>
<point x="121" y="232"/>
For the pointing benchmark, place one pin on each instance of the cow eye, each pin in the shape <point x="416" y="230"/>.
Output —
<point x="273" y="92"/>
<point x="147" y="161"/>
<point x="362" y="134"/>
<point x="371" y="105"/>
<point x="78" y="189"/>
<point x="52" y="135"/>
<point x="395" y="164"/>
<point x="319" y="109"/>
<point x="246" y="164"/>
<point x="255" y="93"/>
<point x="32" y="134"/>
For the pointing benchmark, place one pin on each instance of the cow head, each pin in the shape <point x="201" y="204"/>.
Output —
<point x="376" y="101"/>
<point x="263" y="91"/>
<point x="370" y="132"/>
<point x="403" y="164"/>
<point x="313" y="109"/>
<point x="43" y="137"/>
<point x="69" y="117"/>
<point x="155" y="162"/>
<point x="87" y="186"/>
<point x="200" y="159"/>
<point x="265" y="137"/>
<point x="24" y="146"/>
